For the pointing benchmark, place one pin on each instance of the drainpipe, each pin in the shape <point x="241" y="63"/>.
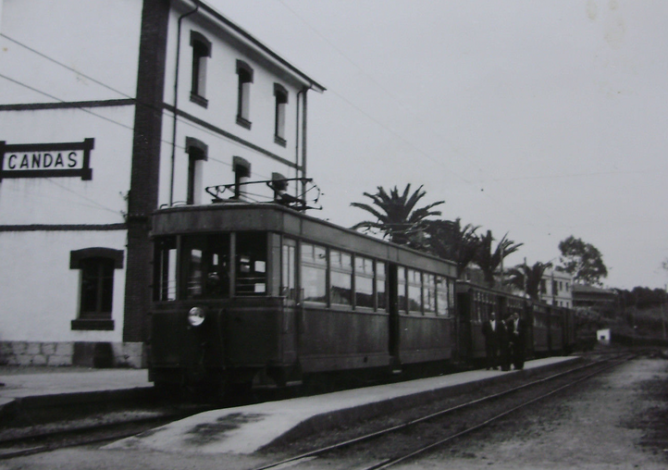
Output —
<point x="303" y="90"/>
<point x="304" y="126"/>
<point x="176" y="98"/>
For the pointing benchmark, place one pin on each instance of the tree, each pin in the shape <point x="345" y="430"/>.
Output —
<point x="582" y="260"/>
<point x="488" y="260"/>
<point x="449" y="240"/>
<point x="396" y="215"/>
<point x="527" y="278"/>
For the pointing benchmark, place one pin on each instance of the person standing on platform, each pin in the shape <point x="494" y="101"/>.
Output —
<point x="489" y="331"/>
<point x="503" y="340"/>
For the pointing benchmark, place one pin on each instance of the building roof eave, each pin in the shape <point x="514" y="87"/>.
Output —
<point x="243" y="35"/>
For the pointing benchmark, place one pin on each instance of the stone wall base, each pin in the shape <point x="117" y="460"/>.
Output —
<point x="87" y="354"/>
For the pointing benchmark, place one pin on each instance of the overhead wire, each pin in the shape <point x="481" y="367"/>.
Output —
<point x="402" y="105"/>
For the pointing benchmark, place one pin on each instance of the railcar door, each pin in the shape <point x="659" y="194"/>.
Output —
<point x="464" y="325"/>
<point x="393" y="306"/>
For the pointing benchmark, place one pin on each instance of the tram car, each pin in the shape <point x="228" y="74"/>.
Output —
<point x="540" y="320"/>
<point x="261" y="295"/>
<point x="550" y="330"/>
<point x="475" y="304"/>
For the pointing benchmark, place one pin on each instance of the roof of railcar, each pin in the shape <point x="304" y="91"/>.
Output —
<point x="241" y="216"/>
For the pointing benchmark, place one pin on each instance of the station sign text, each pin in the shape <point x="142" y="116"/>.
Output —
<point x="46" y="160"/>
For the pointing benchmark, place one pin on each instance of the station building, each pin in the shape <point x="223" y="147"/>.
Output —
<point x="108" y="111"/>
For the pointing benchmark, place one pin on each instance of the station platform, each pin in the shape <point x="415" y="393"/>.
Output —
<point x="44" y="388"/>
<point x="246" y="429"/>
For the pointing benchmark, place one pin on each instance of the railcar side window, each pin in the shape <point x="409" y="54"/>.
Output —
<point x="363" y="282"/>
<point x="381" y="296"/>
<point x="401" y="290"/>
<point x="414" y="291"/>
<point x="341" y="278"/>
<point x="429" y="293"/>
<point x="206" y="267"/>
<point x="442" y="304"/>
<point x="251" y="254"/>
<point x="288" y="276"/>
<point x="314" y="273"/>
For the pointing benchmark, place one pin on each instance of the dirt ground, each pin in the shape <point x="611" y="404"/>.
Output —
<point x="618" y="420"/>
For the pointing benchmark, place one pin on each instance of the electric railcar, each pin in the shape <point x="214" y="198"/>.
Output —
<point x="262" y="295"/>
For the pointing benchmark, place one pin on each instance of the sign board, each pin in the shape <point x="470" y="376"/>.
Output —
<point x="46" y="160"/>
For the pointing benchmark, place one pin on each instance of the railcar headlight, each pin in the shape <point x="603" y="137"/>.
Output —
<point x="196" y="316"/>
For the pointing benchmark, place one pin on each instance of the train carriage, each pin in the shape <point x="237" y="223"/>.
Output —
<point x="475" y="304"/>
<point x="556" y="330"/>
<point x="262" y="294"/>
<point x="540" y="321"/>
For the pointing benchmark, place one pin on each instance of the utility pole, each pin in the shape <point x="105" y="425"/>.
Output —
<point x="663" y="311"/>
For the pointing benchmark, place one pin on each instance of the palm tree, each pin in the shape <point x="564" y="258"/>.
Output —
<point x="488" y="260"/>
<point x="396" y="215"/>
<point x="449" y="240"/>
<point x="527" y="278"/>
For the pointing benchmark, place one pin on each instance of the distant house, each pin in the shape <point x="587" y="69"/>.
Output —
<point x="593" y="297"/>
<point x="603" y="336"/>
<point x="556" y="288"/>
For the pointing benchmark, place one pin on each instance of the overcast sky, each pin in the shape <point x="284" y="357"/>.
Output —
<point x="540" y="119"/>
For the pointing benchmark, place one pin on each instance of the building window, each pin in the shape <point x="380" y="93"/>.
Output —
<point x="96" y="286"/>
<point x="245" y="74"/>
<point x="543" y="286"/>
<point x="242" y="171"/>
<point x="197" y="155"/>
<point x="281" y="101"/>
<point x="201" y="47"/>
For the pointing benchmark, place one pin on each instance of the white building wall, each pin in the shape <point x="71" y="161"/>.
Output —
<point x="39" y="291"/>
<point x="70" y="200"/>
<point x="96" y="38"/>
<point x="59" y="52"/>
<point x="221" y="112"/>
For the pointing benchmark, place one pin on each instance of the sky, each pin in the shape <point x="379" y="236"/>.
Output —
<point x="538" y="120"/>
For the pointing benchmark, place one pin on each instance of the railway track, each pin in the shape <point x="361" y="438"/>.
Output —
<point x="53" y="436"/>
<point x="57" y="436"/>
<point x="398" y="443"/>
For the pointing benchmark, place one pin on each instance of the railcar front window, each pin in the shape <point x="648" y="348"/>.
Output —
<point x="165" y="274"/>
<point x="288" y="275"/>
<point x="363" y="282"/>
<point x="314" y="273"/>
<point x="206" y="267"/>
<point x="251" y="276"/>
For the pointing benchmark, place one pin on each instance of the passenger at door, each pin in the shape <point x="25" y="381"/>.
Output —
<point x="489" y="331"/>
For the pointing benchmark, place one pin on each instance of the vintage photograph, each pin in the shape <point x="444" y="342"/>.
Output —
<point x="333" y="234"/>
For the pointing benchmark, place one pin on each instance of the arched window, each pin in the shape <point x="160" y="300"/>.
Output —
<point x="281" y="101"/>
<point x="96" y="289"/>
<point x="201" y="47"/>
<point x="197" y="155"/>
<point x="245" y="74"/>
